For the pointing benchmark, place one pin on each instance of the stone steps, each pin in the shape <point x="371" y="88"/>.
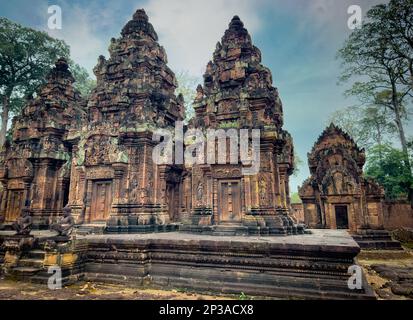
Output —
<point x="36" y="254"/>
<point x="25" y="271"/>
<point x="372" y="237"/>
<point x="376" y="240"/>
<point x="29" y="265"/>
<point x="380" y="245"/>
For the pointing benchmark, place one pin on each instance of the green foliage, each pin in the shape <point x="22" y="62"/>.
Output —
<point x="295" y="198"/>
<point x="397" y="21"/>
<point x="243" y="296"/>
<point x="387" y="165"/>
<point x="228" y="125"/>
<point x="187" y="87"/>
<point x="26" y="56"/>
<point x="367" y="126"/>
<point x="369" y="58"/>
<point x="378" y="58"/>
<point x="84" y="83"/>
<point x="298" y="162"/>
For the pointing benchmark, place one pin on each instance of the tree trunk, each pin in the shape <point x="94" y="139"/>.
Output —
<point x="379" y="142"/>
<point x="402" y="136"/>
<point x="399" y="124"/>
<point x="411" y="72"/>
<point x="4" y="120"/>
<point x="403" y="141"/>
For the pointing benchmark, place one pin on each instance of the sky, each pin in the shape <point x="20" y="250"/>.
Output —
<point x="299" y="40"/>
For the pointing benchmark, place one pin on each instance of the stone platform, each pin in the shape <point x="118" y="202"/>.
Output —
<point x="294" y="267"/>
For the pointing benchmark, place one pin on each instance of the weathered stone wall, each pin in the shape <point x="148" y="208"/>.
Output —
<point x="397" y="215"/>
<point x="35" y="169"/>
<point x="279" y="268"/>
<point x="2" y="253"/>
<point x="297" y="212"/>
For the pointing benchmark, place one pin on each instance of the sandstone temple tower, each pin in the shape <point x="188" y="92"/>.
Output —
<point x="95" y="163"/>
<point x="337" y="196"/>
<point x="97" y="156"/>
<point x="114" y="179"/>
<point x="238" y="94"/>
<point x="36" y="166"/>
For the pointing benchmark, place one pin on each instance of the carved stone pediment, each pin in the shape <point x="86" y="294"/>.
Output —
<point x="221" y="172"/>
<point x="339" y="182"/>
<point x="18" y="168"/>
<point x="103" y="150"/>
<point x="99" y="172"/>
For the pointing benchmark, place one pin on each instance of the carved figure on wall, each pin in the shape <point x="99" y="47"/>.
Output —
<point x="23" y="225"/>
<point x="200" y="192"/>
<point x="263" y="189"/>
<point x="65" y="226"/>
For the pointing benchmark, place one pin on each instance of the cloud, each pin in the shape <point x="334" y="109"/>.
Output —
<point x="79" y="32"/>
<point x="190" y="29"/>
<point x="326" y="20"/>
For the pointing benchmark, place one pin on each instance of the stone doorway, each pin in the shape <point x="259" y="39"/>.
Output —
<point x="15" y="205"/>
<point x="341" y="216"/>
<point x="229" y="201"/>
<point x="101" y="201"/>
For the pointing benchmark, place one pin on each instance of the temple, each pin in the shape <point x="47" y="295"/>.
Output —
<point x="237" y="95"/>
<point x="98" y="157"/>
<point x="36" y="166"/>
<point x="114" y="180"/>
<point x="337" y="195"/>
<point x="206" y="220"/>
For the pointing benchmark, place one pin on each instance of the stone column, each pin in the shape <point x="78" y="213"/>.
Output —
<point x="247" y="192"/>
<point x="60" y="194"/>
<point x="118" y="183"/>
<point x="88" y="200"/>
<point x="4" y="197"/>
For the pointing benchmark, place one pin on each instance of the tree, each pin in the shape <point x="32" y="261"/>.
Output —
<point x="397" y="16"/>
<point x="298" y="162"/>
<point x="187" y="87"/>
<point x="366" y="56"/>
<point x="348" y="119"/>
<point x="375" y="119"/>
<point x="367" y="126"/>
<point x="26" y="56"/>
<point x="84" y="83"/>
<point x="386" y="165"/>
<point x="295" y="198"/>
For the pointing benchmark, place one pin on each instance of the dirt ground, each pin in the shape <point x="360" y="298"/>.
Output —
<point x="389" y="273"/>
<point x="11" y="290"/>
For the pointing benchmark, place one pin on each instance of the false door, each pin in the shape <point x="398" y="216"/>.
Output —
<point x="229" y="201"/>
<point x="101" y="200"/>
<point x="15" y="205"/>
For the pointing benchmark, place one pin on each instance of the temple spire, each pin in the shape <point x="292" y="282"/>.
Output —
<point x="236" y="23"/>
<point x="60" y="71"/>
<point x="139" y="25"/>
